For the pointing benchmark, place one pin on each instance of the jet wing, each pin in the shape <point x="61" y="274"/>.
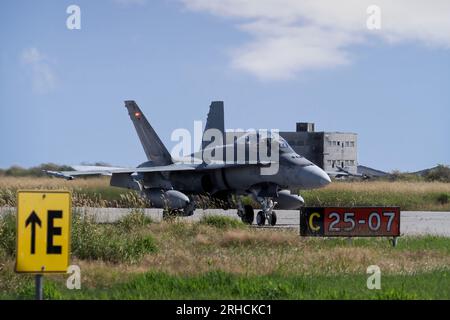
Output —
<point x="344" y="173"/>
<point x="108" y="171"/>
<point x="337" y="174"/>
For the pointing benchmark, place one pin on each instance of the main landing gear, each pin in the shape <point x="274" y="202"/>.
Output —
<point x="246" y="212"/>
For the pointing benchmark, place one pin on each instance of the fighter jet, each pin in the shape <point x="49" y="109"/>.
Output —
<point x="342" y="172"/>
<point x="174" y="185"/>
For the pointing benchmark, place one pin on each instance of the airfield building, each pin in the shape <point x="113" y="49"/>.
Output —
<point x="327" y="150"/>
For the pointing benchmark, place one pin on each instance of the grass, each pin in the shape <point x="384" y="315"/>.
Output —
<point x="219" y="257"/>
<point x="220" y="285"/>
<point x="221" y="222"/>
<point x="7" y="235"/>
<point x="125" y="241"/>
<point x="92" y="192"/>
<point x="134" y="220"/>
<point x="137" y="258"/>
<point x="91" y="241"/>
<point x="427" y="196"/>
<point x="96" y="192"/>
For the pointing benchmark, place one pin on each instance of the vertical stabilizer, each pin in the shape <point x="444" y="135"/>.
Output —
<point x="215" y="120"/>
<point x="153" y="146"/>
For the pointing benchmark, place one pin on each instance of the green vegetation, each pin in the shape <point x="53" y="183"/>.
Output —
<point x="16" y="171"/>
<point x="221" y="222"/>
<point x="220" y="285"/>
<point x="111" y="243"/>
<point x="7" y="235"/>
<point x="96" y="192"/>
<point x="440" y="173"/>
<point x="429" y="190"/>
<point x="92" y="241"/>
<point x="443" y="198"/>
<point x="216" y="258"/>
<point x="219" y="257"/>
<point x="134" y="220"/>
<point x="409" y="196"/>
<point x="411" y="244"/>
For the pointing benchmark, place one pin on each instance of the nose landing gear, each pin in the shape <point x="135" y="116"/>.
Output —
<point x="247" y="214"/>
<point x="267" y="213"/>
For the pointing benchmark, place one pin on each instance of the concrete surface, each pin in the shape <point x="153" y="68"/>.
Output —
<point x="411" y="223"/>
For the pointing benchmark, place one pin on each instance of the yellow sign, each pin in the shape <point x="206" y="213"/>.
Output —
<point x="43" y="231"/>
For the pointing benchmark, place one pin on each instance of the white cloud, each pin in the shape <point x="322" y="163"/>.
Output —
<point x="290" y="36"/>
<point x="42" y="76"/>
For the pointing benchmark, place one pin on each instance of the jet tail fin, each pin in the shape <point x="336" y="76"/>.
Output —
<point x="153" y="146"/>
<point x="215" y="120"/>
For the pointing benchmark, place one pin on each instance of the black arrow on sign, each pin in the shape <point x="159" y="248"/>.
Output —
<point x="33" y="219"/>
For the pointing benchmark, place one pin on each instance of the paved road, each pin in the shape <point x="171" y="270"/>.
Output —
<point x="412" y="222"/>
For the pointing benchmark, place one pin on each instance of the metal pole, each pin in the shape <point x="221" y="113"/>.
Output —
<point x="394" y="241"/>
<point x="39" y="287"/>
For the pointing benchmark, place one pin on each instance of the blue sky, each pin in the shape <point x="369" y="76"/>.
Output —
<point x="62" y="90"/>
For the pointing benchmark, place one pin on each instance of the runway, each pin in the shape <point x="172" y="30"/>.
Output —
<point x="411" y="222"/>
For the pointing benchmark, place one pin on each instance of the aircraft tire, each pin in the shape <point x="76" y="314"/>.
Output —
<point x="273" y="218"/>
<point x="249" y="214"/>
<point x="260" y="218"/>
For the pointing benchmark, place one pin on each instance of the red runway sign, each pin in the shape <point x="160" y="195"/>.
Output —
<point x="350" y="222"/>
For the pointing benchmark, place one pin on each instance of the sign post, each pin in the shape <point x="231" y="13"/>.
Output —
<point x="43" y="234"/>
<point x="39" y="287"/>
<point x="350" y="222"/>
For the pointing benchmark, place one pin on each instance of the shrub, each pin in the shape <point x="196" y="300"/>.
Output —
<point x="7" y="198"/>
<point x="109" y="243"/>
<point x="136" y="219"/>
<point x="440" y="173"/>
<point x="221" y="222"/>
<point x="443" y="198"/>
<point x="8" y="234"/>
<point x="17" y="171"/>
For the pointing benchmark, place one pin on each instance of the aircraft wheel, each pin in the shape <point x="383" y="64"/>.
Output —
<point x="273" y="218"/>
<point x="249" y="214"/>
<point x="260" y="218"/>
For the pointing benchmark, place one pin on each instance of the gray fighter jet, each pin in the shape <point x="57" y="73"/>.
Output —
<point x="176" y="186"/>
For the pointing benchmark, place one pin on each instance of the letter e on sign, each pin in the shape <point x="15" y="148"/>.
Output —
<point x="43" y="231"/>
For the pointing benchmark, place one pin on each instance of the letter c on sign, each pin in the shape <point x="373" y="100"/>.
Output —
<point x="311" y="224"/>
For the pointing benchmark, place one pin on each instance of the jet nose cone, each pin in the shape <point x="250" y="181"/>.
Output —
<point x="324" y="178"/>
<point x="317" y="177"/>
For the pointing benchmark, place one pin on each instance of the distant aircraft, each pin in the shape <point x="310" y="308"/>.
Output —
<point x="174" y="185"/>
<point x="344" y="173"/>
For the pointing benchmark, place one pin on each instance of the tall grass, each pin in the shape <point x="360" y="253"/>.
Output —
<point x="221" y="222"/>
<point x="222" y="285"/>
<point x="120" y="242"/>
<point x="235" y="261"/>
<point x="408" y="195"/>
<point x="96" y="192"/>
<point x="8" y="235"/>
<point x="123" y="242"/>
<point x="52" y="183"/>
